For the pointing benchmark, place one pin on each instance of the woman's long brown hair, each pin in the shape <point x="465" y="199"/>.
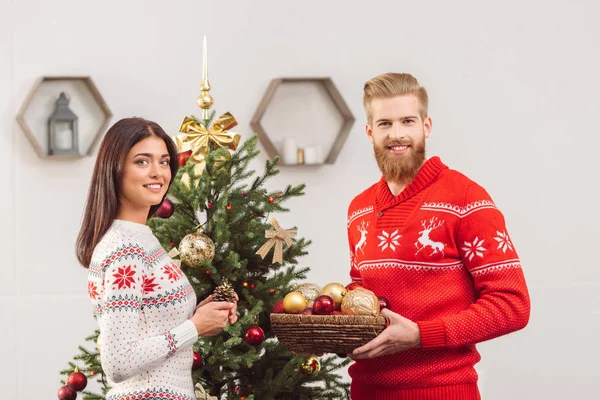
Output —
<point x="102" y="204"/>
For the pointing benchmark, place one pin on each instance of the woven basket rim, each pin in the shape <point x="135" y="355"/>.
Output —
<point x="328" y="319"/>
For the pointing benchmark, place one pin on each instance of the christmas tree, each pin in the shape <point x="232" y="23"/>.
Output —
<point x="216" y="222"/>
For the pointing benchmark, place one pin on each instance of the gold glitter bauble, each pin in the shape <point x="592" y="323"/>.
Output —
<point x="336" y="291"/>
<point x="310" y="291"/>
<point x="196" y="248"/>
<point x="311" y="366"/>
<point x="360" y="302"/>
<point x="294" y="303"/>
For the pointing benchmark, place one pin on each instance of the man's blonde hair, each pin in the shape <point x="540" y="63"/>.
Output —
<point x="394" y="84"/>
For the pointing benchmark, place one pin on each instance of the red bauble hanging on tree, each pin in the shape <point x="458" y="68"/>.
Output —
<point x="166" y="209"/>
<point x="254" y="336"/>
<point x="64" y="393"/>
<point x="183" y="157"/>
<point x="77" y="381"/>
<point x="197" y="361"/>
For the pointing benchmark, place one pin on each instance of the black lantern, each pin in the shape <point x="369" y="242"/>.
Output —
<point x="62" y="129"/>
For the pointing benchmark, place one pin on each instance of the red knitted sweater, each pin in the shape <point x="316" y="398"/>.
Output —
<point x="440" y="253"/>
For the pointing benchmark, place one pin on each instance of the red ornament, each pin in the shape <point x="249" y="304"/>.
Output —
<point x="271" y="199"/>
<point x="77" y="381"/>
<point x="92" y="373"/>
<point x="278" y="307"/>
<point x="337" y="313"/>
<point x="307" y="311"/>
<point x="352" y="286"/>
<point x="197" y="361"/>
<point x="64" y="393"/>
<point x="166" y="209"/>
<point x="383" y="303"/>
<point x="208" y="272"/>
<point x="252" y="286"/>
<point x="244" y="194"/>
<point x="254" y="336"/>
<point x="278" y="194"/>
<point x="209" y="204"/>
<point x="172" y="244"/>
<point x="183" y="157"/>
<point x="228" y="206"/>
<point x="245" y="284"/>
<point x="323" y="305"/>
<point x="271" y="290"/>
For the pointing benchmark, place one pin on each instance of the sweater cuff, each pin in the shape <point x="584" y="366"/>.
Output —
<point x="433" y="334"/>
<point x="184" y="334"/>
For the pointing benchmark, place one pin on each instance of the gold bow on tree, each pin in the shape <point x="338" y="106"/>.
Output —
<point x="174" y="253"/>
<point x="276" y="238"/>
<point x="201" y="394"/>
<point x="197" y="138"/>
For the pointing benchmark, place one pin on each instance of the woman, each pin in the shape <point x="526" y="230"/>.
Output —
<point x="145" y="306"/>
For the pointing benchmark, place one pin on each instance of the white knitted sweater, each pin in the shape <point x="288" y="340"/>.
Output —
<point x="142" y="303"/>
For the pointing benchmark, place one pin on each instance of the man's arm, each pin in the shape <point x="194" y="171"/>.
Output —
<point x="490" y="257"/>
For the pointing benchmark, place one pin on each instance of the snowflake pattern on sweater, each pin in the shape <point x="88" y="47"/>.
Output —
<point x="440" y="253"/>
<point x="142" y="302"/>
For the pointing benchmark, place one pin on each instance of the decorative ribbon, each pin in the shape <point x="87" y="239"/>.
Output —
<point x="197" y="138"/>
<point x="201" y="393"/>
<point x="276" y="238"/>
<point x="174" y="253"/>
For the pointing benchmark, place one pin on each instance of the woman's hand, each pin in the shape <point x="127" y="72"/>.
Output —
<point x="211" y="317"/>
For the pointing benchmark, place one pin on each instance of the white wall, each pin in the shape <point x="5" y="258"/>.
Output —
<point x="514" y="95"/>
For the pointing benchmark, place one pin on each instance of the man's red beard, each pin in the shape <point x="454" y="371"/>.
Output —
<point x="404" y="168"/>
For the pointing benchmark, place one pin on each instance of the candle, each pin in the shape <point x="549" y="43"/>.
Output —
<point x="63" y="138"/>
<point x="300" y="156"/>
<point x="290" y="151"/>
<point x="310" y="155"/>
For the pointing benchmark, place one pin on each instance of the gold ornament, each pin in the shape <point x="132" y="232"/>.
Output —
<point x="309" y="290"/>
<point x="276" y="238"/>
<point x="360" y="301"/>
<point x="196" y="248"/>
<point x="294" y="303"/>
<point x="336" y="291"/>
<point x="205" y="100"/>
<point x="311" y="366"/>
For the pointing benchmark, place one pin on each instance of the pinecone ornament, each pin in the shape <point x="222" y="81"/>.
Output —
<point x="224" y="292"/>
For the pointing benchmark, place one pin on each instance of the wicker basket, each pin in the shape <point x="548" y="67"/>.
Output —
<point x="325" y="333"/>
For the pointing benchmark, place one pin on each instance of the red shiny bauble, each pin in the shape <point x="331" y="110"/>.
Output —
<point x="64" y="393"/>
<point x="383" y="303"/>
<point x="254" y="336"/>
<point x="337" y="313"/>
<point x="307" y="311"/>
<point x="323" y="305"/>
<point x="197" y="361"/>
<point x="166" y="209"/>
<point x="352" y="286"/>
<point x="278" y="307"/>
<point x="77" y="381"/>
<point x="183" y="157"/>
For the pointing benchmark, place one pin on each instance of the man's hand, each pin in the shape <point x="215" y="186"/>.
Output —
<point x="400" y="335"/>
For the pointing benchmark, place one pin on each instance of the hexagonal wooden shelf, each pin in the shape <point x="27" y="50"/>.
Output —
<point x="334" y="94"/>
<point x="98" y="100"/>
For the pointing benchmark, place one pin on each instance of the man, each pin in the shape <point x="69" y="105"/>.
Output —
<point x="433" y="243"/>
